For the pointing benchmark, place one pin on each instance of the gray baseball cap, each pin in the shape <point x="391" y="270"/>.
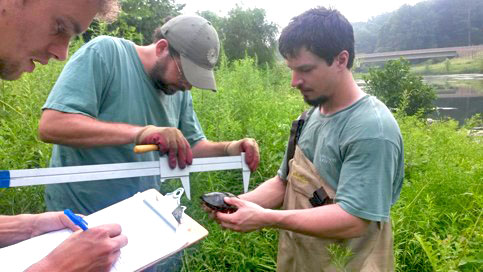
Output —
<point x="197" y="42"/>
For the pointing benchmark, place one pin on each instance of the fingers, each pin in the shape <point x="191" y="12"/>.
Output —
<point x="170" y="141"/>
<point x="180" y="151"/>
<point x="172" y="157"/>
<point x="189" y="154"/>
<point x="184" y="151"/>
<point x="120" y="241"/>
<point x="113" y="230"/>
<point x="252" y="155"/>
<point x="253" y="161"/>
<point x="67" y="222"/>
<point x="223" y="217"/>
<point x="235" y="201"/>
<point x="227" y="225"/>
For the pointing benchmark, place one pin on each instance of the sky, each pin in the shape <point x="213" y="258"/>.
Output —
<point x="280" y="11"/>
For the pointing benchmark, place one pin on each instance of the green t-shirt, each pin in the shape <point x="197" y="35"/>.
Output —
<point x="358" y="151"/>
<point x="105" y="79"/>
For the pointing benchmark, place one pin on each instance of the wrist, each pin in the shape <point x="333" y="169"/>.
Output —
<point x="232" y="148"/>
<point x="138" y="133"/>
<point x="28" y="222"/>
<point x="269" y="218"/>
<point x="35" y="225"/>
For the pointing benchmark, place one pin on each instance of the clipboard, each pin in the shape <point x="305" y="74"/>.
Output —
<point x="146" y="219"/>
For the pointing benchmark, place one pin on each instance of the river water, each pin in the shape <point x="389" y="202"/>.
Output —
<point x="459" y="96"/>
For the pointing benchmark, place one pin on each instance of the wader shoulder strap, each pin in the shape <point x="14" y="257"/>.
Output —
<point x="320" y="195"/>
<point x="294" y="135"/>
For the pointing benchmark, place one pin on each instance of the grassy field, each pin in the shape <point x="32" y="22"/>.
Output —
<point x="460" y="65"/>
<point x="450" y="66"/>
<point x="437" y="221"/>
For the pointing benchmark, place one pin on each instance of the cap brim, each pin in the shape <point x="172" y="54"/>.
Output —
<point x="198" y="76"/>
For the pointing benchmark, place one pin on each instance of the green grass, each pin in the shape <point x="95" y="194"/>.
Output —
<point x="462" y="65"/>
<point x="449" y="83"/>
<point x="437" y="221"/>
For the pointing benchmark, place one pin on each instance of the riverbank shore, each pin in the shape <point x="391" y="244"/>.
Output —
<point x="465" y="65"/>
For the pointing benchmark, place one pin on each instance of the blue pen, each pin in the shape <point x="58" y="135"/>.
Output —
<point x="79" y="221"/>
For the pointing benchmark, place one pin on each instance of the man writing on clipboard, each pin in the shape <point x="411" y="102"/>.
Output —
<point x="35" y="31"/>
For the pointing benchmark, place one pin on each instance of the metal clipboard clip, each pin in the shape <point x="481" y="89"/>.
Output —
<point x="170" y="202"/>
<point x="175" y="196"/>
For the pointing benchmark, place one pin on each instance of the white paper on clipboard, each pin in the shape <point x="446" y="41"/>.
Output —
<point x="145" y="219"/>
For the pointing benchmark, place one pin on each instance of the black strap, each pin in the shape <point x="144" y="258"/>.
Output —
<point x="320" y="195"/>
<point x="294" y="135"/>
<point x="320" y="198"/>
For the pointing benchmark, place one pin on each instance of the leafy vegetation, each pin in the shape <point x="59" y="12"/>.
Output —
<point x="245" y="32"/>
<point x="438" y="218"/>
<point x="137" y="20"/>
<point x="395" y="85"/>
<point x="428" y="24"/>
<point x="437" y="221"/>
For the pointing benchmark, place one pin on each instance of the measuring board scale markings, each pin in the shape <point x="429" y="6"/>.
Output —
<point x="42" y="176"/>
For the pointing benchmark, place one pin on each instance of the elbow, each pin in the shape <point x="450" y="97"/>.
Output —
<point x="43" y="135"/>
<point x="358" y="229"/>
<point x="44" y="132"/>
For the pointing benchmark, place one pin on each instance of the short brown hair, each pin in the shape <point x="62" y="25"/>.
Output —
<point x="158" y="35"/>
<point x="324" y="32"/>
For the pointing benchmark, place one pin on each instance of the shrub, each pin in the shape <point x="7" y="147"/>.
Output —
<point x="393" y="83"/>
<point x="436" y="222"/>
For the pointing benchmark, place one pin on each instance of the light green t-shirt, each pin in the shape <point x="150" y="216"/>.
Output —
<point x="105" y="79"/>
<point x="358" y="151"/>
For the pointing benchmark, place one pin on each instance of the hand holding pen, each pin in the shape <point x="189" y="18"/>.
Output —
<point x="94" y="250"/>
<point x="76" y="219"/>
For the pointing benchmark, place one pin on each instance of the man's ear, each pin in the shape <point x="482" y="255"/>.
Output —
<point x="342" y="59"/>
<point x="161" y="46"/>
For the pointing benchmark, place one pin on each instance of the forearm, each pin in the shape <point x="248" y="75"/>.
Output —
<point x="329" y="221"/>
<point x="205" y="148"/>
<point x="14" y="229"/>
<point x="82" y="131"/>
<point x="269" y="194"/>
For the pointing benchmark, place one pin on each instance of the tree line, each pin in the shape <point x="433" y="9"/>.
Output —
<point x="243" y="32"/>
<point x="428" y="24"/>
<point x="247" y="32"/>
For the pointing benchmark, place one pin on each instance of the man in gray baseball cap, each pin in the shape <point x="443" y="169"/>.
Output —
<point x="197" y="43"/>
<point x="113" y="94"/>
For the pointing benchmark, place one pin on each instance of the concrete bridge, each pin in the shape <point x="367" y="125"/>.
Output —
<point x="446" y="52"/>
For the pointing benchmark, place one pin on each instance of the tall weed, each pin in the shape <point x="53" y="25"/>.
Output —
<point x="436" y="222"/>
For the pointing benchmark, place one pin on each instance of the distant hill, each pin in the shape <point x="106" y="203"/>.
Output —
<point x="428" y="24"/>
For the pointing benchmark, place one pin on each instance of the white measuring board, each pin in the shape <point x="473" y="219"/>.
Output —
<point x="39" y="176"/>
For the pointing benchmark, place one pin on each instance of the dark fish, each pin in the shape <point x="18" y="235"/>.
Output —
<point x="215" y="201"/>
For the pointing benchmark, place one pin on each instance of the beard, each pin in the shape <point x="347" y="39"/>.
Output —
<point x="9" y="70"/>
<point x="156" y="75"/>
<point x="316" y="102"/>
